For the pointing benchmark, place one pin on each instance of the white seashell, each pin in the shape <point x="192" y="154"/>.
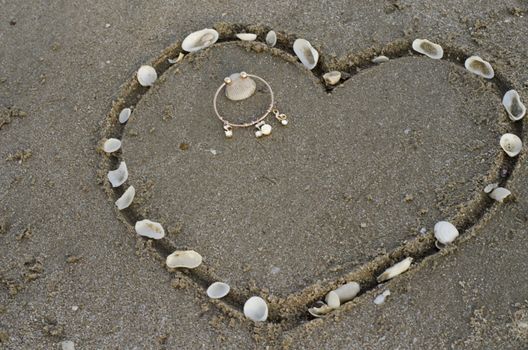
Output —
<point x="146" y="75"/>
<point x="306" y="53"/>
<point x="124" y="115"/>
<point x="256" y="309"/>
<point x="150" y="229"/>
<point x="321" y="310"/>
<point x="126" y="198"/>
<point x="445" y="232"/>
<point x="199" y="40"/>
<point x="178" y="59"/>
<point x="428" y="48"/>
<point x="332" y="78"/>
<point x="511" y="144"/>
<point x="341" y="295"/>
<point x="500" y="194"/>
<point x="218" y="290"/>
<point x="395" y="270"/>
<point x="515" y="108"/>
<point x="240" y="88"/>
<point x="111" y="145"/>
<point x="246" y="36"/>
<point x="184" y="258"/>
<point x="380" y="59"/>
<point x="271" y="38"/>
<point x="478" y="66"/>
<point x="119" y="176"/>
<point x="67" y="345"/>
<point x="380" y="299"/>
<point x="490" y="187"/>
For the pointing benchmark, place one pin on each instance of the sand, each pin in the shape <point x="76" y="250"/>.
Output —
<point x="339" y="194"/>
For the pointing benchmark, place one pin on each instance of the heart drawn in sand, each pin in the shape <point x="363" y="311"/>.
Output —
<point x="354" y="183"/>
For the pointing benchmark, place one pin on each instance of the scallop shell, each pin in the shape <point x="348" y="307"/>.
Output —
<point x="199" y="40"/>
<point x="341" y="295"/>
<point x="218" y="290"/>
<point x="146" y="75"/>
<point x="511" y="144"/>
<point x="256" y="309"/>
<point x="321" y="310"/>
<point x="445" y="232"/>
<point x="150" y="229"/>
<point x="184" y="258"/>
<point x="380" y="299"/>
<point x="515" y="108"/>
<point x="380" y="59"/>
<point x="111" y="145"/>
<point x="428" y="48"/>
<point x="126" y="198"/>
<point x="247" y="36"/>
<point x="500" y="194"/>
<point x="490" y="187"/>
<point x="124" y="115"/>
<point x="271" y="38"/>
<point x="240" y="88"/>
<point x="119" y="176"/>
<point x="332" y="78"/>
<point x="306" y="53"/>
<point x="478" y="66"/>
<point x="395" y="270"/>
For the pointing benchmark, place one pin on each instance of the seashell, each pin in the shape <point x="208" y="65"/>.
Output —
<point x="511" y="144"/>
<point x="428" y="48"/>
<point x="256" y="309"/>
<point x="306" y="53"/>
<point x="490" y="187"/>
<point x="150" y="229"/>
<point x="126" y="198"/>
<point x="515" y="108"/>
<point x="395" y="270"/>
<point x="478" y="66"/>
<point x="246" y="36"/>
<point x="178" y="59"/>
<point x="341" y="295"/>
<point x="321" y="310"/>
<point x="67" y="345"/>
<point x="218" y="290"/>
<point x="500" y="194"/>
<point x="380" y="59"/>
<point x="119" y="176"/>
<point x="184" y="258"/>
<point x="332" y="78"/>
<point x="111" y="145"/>
<point x="445" y="232"/>
<point x="239" y="86"/>
<point x="146" y="75"/>
<point x="271" y="38"/>
<point x="124" y="115"/>
<point x="199" y="40"/>
<point x="380" y="299"/>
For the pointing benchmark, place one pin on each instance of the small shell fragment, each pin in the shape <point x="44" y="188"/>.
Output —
<point x="240" y="88"/>
<point x="395" y="270"/>
<point x="428" y="48"/>
<point x="515" y="108"/>
<point x="380" y="299"/>
<point x="199" y="40"/>
<point x="341" y="295"/>
<point x="320" y="310"/>
<point x="500" y="194"/>
<point x="218" y="290"/>
<point x="445" y="232"/>
<point x="490" y="187"/>
<point x="332" y="78"/>
<point x="511" y="144"/>
<point x="149" y="229"/>
<point x="124" y="115"/>
<point x="178" y="59"/>
<point x="306" y="53"/>
<point x="478" y="66"/>
<point x="119" y="176"/>
<point x="380" y="59"/>
<point x="126" y="198"/>
<point x="271" y="38"/>
<point x="256" y="309"/>
<point x="247" y="36"/>
<point x="111" y="145"/>
<point x="188" y="259"/>
<point x="146" y="75"/>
